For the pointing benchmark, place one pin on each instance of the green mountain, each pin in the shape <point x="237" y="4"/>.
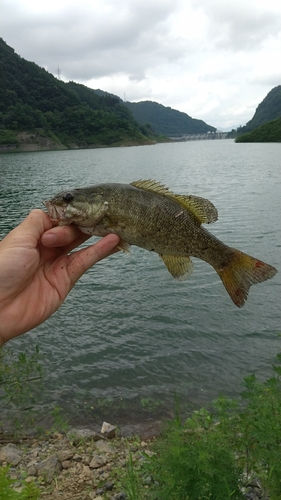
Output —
<point x="268" y="132"/>
<point x="267" y="110"/>
<point x="165" y="120"/>
<point x="38" y="111"/>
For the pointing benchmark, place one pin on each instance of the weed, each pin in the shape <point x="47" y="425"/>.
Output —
<point x="28" y="492"/>
<point x="20" y="385"/>
<point x="18" y="376"/>
<point x="195" y="460"/>
<point x="133" y="486"/>
<point x="214" y="454"/>
<point x="150" y="405"/>
<point x="60" y="422"/>
<point x="260" y="432"/>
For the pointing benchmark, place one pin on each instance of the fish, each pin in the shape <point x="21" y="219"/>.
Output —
<point x="149" y="215"/>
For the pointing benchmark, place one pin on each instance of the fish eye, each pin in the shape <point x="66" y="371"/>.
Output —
<point x="68" y="197"/>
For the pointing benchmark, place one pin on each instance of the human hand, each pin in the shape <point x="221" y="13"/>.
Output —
<point x="37" y="271"/>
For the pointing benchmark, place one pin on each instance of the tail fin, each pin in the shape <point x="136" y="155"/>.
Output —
<point x="240" y="272"/>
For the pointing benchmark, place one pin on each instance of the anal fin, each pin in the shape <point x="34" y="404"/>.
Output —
<point x="178" y="267"/>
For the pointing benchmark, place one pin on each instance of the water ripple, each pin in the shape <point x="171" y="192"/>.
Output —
<point x="127" y="330"/>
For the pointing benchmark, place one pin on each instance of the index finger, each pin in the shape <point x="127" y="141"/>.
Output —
<point x="83" y="259"/>
<point x="30" y="229"/>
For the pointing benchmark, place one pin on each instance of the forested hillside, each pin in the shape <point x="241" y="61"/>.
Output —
<point x="268" y="132"/>
<point x="69" y="114"/>
<point x="167" y="121"/>
<point x="267" y="110"/>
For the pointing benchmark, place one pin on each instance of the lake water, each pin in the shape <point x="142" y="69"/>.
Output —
<point x="129" y="337"/>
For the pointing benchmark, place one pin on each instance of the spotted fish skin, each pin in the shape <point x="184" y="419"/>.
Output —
<point x="147" y="214"/>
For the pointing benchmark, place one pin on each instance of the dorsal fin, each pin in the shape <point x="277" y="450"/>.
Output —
<point x="151" y="185"/>
<point x="202" y="209"/>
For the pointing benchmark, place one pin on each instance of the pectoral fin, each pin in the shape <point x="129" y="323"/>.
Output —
<point x="178" y="267"/>
<point x="123" y="245"/>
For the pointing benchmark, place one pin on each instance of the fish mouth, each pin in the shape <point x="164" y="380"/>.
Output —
<point x="56" y="213"/>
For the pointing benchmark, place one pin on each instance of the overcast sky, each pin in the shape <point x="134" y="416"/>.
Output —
<point x="213" y="59"/>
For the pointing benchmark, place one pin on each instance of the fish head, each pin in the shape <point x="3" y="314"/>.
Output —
<point x="76" y="206"/>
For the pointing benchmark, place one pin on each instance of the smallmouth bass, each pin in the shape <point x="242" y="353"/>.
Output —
<point x="147" y="214"/>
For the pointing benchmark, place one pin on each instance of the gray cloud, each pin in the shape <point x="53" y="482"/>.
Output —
<point x="92" y="43"/>
<point x="240" y="25"/>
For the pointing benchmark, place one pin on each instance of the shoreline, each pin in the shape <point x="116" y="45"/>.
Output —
<point x="34" y="142"/>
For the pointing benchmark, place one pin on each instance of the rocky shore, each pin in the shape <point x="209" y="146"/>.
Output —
<point x="82" y="464"/>
<point x="79" y="465"/>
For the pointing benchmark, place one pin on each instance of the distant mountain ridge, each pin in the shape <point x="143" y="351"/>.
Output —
<point x="165" y="120"/>
<point x="39" y="111"/>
